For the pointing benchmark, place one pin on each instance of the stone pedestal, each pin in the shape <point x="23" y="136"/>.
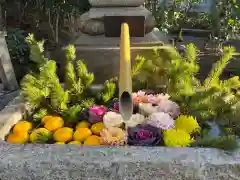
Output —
<point x="100" y="53"/>
<point x="7" y="73"/>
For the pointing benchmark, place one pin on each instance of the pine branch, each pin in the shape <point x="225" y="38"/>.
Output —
<point x="86" y="103"/>
<point x="70" y="78"/>
<point x="70" y="75"/>
<point x="109" y="91"/>
<point x="83" y="74"/>
<point x="58" y="97"/>
<point x="32" y="92"/>
<point x="191" y="53"/>
<point x="229" y="84"/>
<point x="70" y="53"/>
<point x="138" y="65"/>
<point x="71" y="114"/>
<point x="221" y="142"/>
<point x="36" y="49"/>
<point x="218" y="67"/>
<point x="40" y="114"/>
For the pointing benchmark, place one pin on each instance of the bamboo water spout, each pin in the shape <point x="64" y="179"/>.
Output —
<point x="125" y="75"/>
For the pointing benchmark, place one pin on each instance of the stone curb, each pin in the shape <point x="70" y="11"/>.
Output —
<point x="63" y="162"/>
<point x="10" y="115"/>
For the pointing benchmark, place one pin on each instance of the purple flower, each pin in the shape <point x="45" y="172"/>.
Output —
<point x="161" y="120"/>
<point x="96" y="114"/>
<point x="144" y="135"/>
<point x="170" y="107"/>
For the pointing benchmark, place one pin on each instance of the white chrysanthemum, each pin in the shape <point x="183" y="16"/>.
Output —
<point x="135" y="120"/>
<point x="161" y="120"/>
<point x="147" y="108"/>
<point x="112" y="119"/>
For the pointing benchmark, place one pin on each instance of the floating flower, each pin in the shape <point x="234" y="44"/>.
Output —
<point x="187" y="123"/>
<point x="147" y="108"/>
<point x="161" y="120"/>
<point x="22" y="126"/>
<point x="54" y="123"/>
<point x="40" y="135"/>
<point x="144" y="135"/>
<point x="92" y="141"/>
<point x="97" y="128"/>
<point x="177" y="138"/>
<point x="18" y="138"/>
<point x="139" y="97"/>
<point x="81" y="134"/>
<point x="75" y="142"/>
<point x="96" y="113"/>
<point x="83" y="124"/>
<point x="169" y="107"/>
<point x="112" y="119"/>
<point x="64" y="134"/>
<point x="113" y="136"/>
<point x="135" y="120"/>
<point x="156" y="99"/>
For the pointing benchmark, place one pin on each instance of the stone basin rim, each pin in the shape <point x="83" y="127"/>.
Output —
<point x="135" y="153"/>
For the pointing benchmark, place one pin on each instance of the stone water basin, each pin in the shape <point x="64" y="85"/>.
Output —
<point x="52" y="161"/>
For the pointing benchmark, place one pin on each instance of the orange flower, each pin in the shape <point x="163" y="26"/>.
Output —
<point x="113" y="136"/>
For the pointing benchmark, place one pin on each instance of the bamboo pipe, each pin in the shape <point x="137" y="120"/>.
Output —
<point x="125" y="75"/>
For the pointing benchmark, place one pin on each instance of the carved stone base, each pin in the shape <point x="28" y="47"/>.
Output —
<point x="91" y="26"/>
<point x="95" y="27"/>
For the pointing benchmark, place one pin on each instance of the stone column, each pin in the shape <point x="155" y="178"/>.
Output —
<point x="7" y="74"/>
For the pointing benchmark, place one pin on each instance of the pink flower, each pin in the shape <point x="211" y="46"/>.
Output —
<point x="155" y="99"/>
<point x="139" y="97"/>
<point x="169" y="107"/>
<point x="99" y="110"/>
<point x="161" y="120"/>
<point x="96" y="113"/>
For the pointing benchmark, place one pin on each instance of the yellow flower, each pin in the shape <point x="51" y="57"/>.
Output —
<point x="22" y="126"/>
<point x="97" y="128"/>
<point x="187" y="123"/>
<point x="81" y="134"/>
<point x="75" y="142"/>
<point x="40" y="135"/>
<point x="92" y="141"/>
<point x="63" y="134"/>
<point x="60" y="143"/>
<point x="45" y="119"/>
<point x="177" y="138"/>
<point x="54" y="123"/>
<point x="18" y="138"/>
<point x="83" y="124"/>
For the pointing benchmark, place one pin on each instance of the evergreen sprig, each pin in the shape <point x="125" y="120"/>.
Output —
<point x="218" y="67"/>
<point x="108" y="91"/>
<point x="227" y="142"/>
